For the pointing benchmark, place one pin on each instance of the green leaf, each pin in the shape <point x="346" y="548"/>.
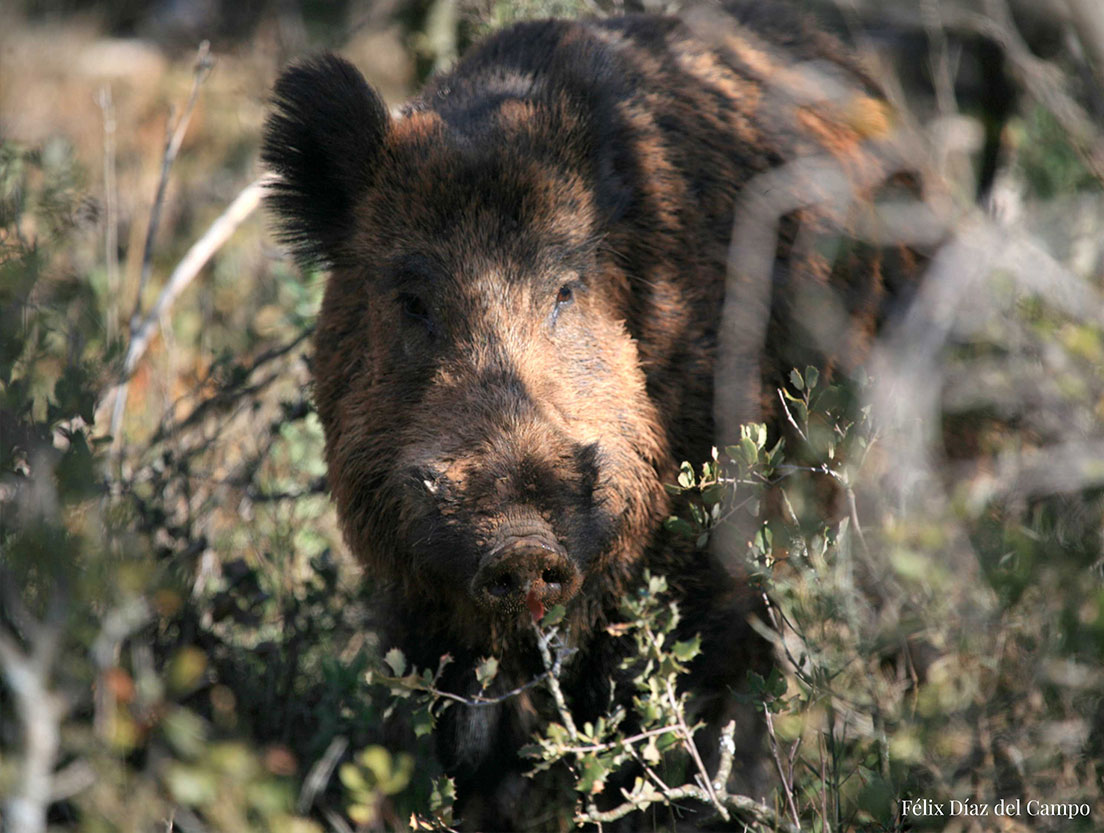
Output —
<point x="876" y="798"/>
<point x="666" y="741"/>
<point x="376" y="760"/>
<point x="764" y="539"/>
<point x="443" y="797"/>
<point x="680" y="527"/>
<point x="192" y="786"/>
<point x="396" y="660"/>
<point x="686" y="651"/>
<point x="364" y="814"/>
<point x="713" y="494"/>
<point x="812" y="376"/>
<point x="402" y="767"/>
<point x="554" y="616"/>
<point x="423" y="721"/>
<point x="648" y="710"/>
<point x="796" y="380"/>
<point x="757" y="432"/>
<point x="593" y="779"/>
<point x="185" y="731"/>
<point x="486" y="671"/>
<point x="186" y="669"/>
<point x="776" y="683"/>
<point x="748" y="450"/>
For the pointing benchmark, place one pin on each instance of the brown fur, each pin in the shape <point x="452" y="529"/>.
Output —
<point x="519" y="329"/>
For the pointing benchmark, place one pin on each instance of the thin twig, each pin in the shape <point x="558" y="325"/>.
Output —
<point x="236" y="391"/>
<point x="173" y="139"/>
<point x="477" y="700"/>
<point x="787" y="783"/>
<point x="853" y="513"/>
<point x="739" y="803"/>
<point x="337" y="823"/>
<point x="111" y="221"/>
<point x="692" y="748"/>
<point x="789" y="416"/>
<point x="663" y="786"/>
<point x="1042" y="80"/>
<point x="186" y="270"/>
<point x="73" y="779"/>
<point x="320" y="773"/>
<point x="1088" y="18"/>
<point x="40" y="711"/>
<point x="939" y="57"/>
<point x="590" y="748"/>
<point x="552" y="669"/>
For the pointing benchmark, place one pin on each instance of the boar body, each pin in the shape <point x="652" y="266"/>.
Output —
<point x="516" y="346"/>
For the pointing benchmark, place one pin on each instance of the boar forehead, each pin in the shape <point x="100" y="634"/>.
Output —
<point x="507" y="195"/>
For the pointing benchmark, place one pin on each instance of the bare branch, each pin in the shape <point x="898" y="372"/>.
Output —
<point x="552" y="669"/>
<point x="939" y="57"/>
<point x="688" y="742"/>
<point x="1042" y="80"/>
<point x="787" y="783"/>
<point x="186" y="270"/>
<point x="320" y="773"/>
<point x="173" y="140"/>
<point x="111" y="200"/>
<point x="1088" y="18"/>
<point x="649" y="794"/>
<point x="40" y="711"/>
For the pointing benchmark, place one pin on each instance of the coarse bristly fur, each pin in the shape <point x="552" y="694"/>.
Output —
<point x="518" y="334"/>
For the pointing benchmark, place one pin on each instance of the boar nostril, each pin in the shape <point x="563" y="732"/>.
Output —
<point x="501" y="585"/>
<point x="554" y="577"/>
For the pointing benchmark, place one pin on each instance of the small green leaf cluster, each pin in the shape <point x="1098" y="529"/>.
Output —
<point x="418" y="687"/>
<point x="442" y="797"/>
<point x="598" y="751"/>
<point x="828" y="417"/>
<point x="372" y="776"/>
<point x="731" y="483"/>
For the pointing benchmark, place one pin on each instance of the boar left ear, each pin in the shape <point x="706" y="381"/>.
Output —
<point x="322" y="140"/>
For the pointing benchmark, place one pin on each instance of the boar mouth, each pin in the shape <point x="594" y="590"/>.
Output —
<point x="526" y="568"/>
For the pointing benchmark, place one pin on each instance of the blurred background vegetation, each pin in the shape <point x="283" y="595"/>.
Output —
<point x="185" y="643"/>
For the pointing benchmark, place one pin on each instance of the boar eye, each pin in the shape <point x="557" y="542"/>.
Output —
<point x="563" y="299"/>
<point x="414" y="307"/>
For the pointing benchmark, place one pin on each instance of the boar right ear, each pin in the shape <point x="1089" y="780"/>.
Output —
<point x="322" y="140"/>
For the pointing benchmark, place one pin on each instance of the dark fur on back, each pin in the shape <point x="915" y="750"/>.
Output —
<point x="517" y="340"/>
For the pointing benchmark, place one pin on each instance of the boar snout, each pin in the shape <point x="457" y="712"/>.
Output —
<point x="528" y="572"/>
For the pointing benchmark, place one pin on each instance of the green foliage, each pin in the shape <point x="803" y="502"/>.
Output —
<point x="177" y="704"/>
<point x="729" y="484"/>
<point x="370" y="778"/>
<point x="176" y="600"/>
<point x="1048" y="160"/>
<point x="594" y="752"/>
<point x="216" y="653"/>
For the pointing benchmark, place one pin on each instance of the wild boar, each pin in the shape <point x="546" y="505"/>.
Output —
<point x="517" y="343"/>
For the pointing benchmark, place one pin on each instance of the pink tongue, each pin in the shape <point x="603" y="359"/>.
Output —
<point x="536" y="606"/>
